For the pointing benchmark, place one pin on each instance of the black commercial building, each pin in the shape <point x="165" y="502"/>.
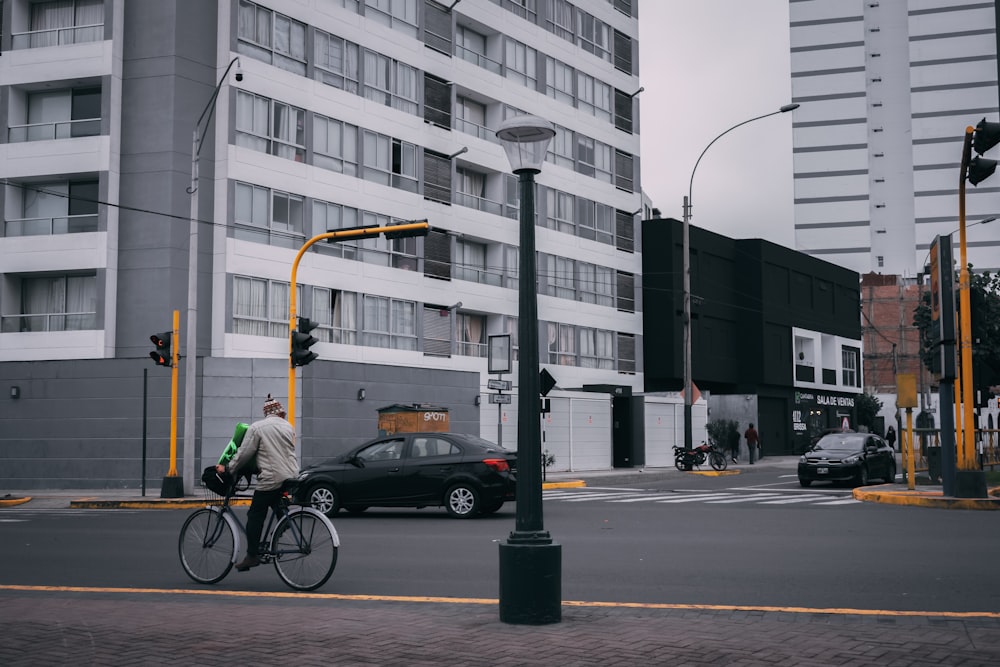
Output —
<point x="767" y="322"/>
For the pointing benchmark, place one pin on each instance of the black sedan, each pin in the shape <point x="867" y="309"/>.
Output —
<point x="466" y="474"/>
<point x="854" y="457"/>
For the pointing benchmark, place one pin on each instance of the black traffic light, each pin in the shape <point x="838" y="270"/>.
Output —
<point x="980" y="169"/>
<point x="163" y="355"/>
<point x="302" y="341"/>
<point x="986" y="136"/>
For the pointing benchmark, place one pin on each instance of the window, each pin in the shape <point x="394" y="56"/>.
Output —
<point x="328" y="217"/>
<point x="56" y="208"/>
<point x="561" y="211"/>
<point x="390" y="82"/>
<point x="597" y="284"/>
<point x="437" y="27"/>
<point x="596" y="348"/>
<point x="397" y="253"/>
<point x="278" y="214"/>
<point x="623" y="52"/>
<point x="336" y="62"/>
<point x="624" y="231"/>
<point x="437" y="101"/>
<point x="623" y="171"/>
<point x="557" y="277"/>
<point x="335" y="312"/>
<point x="626" y="353"/>
<point x="623" y="111"/>
<point x="431" y="446"/>
<point x="389" y="323"/>
<point x="62" y="22"/>
<point x="523" y="8"/>
<point x="271" y="37"/>
<point x="849" y="358"/>
<point x="594" y="221"/>
<point x="335" y="145"/>
<point x="261" y="307"/>
<point x="560" y="19"/>
<point x="562" y="344"/>
<point x="471" y="47"/>
<point x="390" y="161"/>
<point x="595" y="36"/>
<point x="60" y="115"/>
<point x="270" y="127"/>
<point x="561" y="147"/>
<point x="437" y="255"/>
<point x="510" y="266"/>
<point x="471" y="331"/>
<point x="398" y="14"/>
<point x="520" y="63"/>
<point x="470" y="263"/>
<point x="559" y="80"/>
<point x="437" y="177"/>
<point x="56" y="303"/>
<point x="626" y="291"/>
<point x="594" y="96"/>
<point x="470" y="118"/>
<point x="471" y="191"/>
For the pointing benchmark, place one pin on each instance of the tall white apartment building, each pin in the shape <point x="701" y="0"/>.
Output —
<point x="345" y="113"/>
<point x="887" y="89"/>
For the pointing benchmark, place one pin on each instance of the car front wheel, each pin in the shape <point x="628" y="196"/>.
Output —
<point x="862" y="478"/>
<point x="323" y="497"/>
<point x="462" y="501"/>
<point x="804" y="482"/>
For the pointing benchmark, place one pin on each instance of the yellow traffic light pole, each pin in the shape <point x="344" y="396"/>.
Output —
<point x="413" y="228"/>
<point x="173" y="485"/>
<point x="967" y="452"/>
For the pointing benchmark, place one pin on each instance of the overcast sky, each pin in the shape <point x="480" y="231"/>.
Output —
<point x="707" y="65"/>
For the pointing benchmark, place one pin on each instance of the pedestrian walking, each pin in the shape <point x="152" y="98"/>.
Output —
<point x="734" y="443"/>
<point x="752" y="442"/>
<point x="890" y="437"/>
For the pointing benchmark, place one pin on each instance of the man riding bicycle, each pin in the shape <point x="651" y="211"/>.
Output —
<point x="272" y="442"/>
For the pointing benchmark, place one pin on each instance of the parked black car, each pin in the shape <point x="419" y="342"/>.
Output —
<point x="855" y="457"/>
<point x="466" y="474"/>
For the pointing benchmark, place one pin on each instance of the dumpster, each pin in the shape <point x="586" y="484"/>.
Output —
<point x="415" y="418"/>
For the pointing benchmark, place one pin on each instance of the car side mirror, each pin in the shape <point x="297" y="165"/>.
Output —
<point x="357" y="462"/>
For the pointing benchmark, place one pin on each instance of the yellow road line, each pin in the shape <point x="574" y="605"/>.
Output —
<point x="491" y="601"/>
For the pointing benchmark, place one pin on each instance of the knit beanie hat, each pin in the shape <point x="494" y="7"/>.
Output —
<point x="272" y="407"/>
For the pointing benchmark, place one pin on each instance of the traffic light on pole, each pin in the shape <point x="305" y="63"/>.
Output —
<point x="302" y="341"/>
<point x="163" y="354"/>
<point x="985" y="137"/>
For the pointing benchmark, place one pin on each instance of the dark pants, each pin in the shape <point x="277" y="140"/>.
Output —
<point x="262" y="500"/>
<point x="752" y="447"/>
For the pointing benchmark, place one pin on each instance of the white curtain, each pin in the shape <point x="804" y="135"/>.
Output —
<point x="377" y="77"/>
<point x="345" y="317"/>
<point x="404" y="325"/>
<point x="249" y="306"/>
<point x="405" y="88"/>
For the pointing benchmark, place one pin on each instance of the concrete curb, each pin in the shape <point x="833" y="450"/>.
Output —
<point x="12" y="501"/>
<point x="152" y="503"/>
<point x="888" y="495"/>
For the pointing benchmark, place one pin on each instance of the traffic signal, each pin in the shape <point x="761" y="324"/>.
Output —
<point x="985" y="137"/>
<point x="163" y="354"/>
<point x="302" y="341"/>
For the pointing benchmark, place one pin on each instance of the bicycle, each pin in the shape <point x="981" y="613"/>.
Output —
<point x="302" y="543"/>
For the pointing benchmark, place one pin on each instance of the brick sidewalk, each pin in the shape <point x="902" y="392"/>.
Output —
<point x="114" y="628"/>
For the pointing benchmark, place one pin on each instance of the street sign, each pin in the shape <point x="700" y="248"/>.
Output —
<point x="502" y="385"/>
<point x="500" y="398"/>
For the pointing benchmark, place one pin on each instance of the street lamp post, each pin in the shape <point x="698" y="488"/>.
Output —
<point x="530" y="563"/>
<point x="686" y="250"/>
<point x="191" y="339"/>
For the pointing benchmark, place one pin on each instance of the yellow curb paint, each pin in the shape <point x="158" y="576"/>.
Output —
<point x="924" y="499"/>
<point x="570" y="484"/>
<point x="492" y="601"/>
<point x="714" y="473"/>
<point x="11" y="502"/>
<point x="151" y="504"/>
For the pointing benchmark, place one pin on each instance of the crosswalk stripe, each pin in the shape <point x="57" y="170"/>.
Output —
<point x="845" y="501"/>
<point x="599" y="496"/>
<point x="745" y="499"/>
<point x="789" y="501"/>
<point x="696" y="499"/>
<point x="640" y="499"/>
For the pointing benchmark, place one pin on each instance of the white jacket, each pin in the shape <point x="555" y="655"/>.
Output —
<point x="272" y="441"/>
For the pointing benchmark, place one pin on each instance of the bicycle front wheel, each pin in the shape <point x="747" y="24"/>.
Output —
<point x="305" y="549"/>
<point x="718" y="461"/>
<point x="207" y="546"/>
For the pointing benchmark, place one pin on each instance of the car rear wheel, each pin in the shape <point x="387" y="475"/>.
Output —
<point x="890" y="475"/>
<point x="323" y="497"/>
<point x="462" y="501"/>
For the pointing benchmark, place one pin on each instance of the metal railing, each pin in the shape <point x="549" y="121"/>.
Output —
<point x="76" y="34"/>
<point x="67" y="224"/>
<point x="48" y="322"/>
<point x="64" y="129"/>
<point x="987" y="446"/>
<point x="479" y="203"/>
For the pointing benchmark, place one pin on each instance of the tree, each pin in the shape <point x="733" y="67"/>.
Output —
<point x="868" y="407"/>
<point x="984" y="297"/>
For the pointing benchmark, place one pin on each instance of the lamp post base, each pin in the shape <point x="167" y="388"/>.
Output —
<point x="173" y="487"/>
<point x="530" y="583"/>
<point x="970" y="484"/>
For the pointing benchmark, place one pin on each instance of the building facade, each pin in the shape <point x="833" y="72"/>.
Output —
<point x="887" y="90"/>
<point x="308" y="116"/>
<point x="776" y="328"/>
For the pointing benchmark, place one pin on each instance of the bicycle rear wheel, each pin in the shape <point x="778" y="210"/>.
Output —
<point x="305" y="549"/>
<point x="207" y="546"/>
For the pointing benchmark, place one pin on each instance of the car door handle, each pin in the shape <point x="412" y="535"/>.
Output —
<point x="392" y="470"/>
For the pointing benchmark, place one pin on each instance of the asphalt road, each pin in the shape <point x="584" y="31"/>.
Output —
<point x="700" y="551"/>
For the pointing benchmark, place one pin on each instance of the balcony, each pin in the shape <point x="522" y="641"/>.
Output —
<point x="67" y="129"/>
<point x="67" y="224"/>
<point x="77" y="34"/>
<point x="48" y="322"/>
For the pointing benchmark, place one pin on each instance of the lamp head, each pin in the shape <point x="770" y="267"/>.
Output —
<point x="525" y="139"/>
<point x="788" y="107"/>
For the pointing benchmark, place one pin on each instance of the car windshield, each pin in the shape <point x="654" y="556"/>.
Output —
<point x="840" y="442"/>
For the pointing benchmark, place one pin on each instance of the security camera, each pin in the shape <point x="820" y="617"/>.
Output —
<point x="239" y="74"/>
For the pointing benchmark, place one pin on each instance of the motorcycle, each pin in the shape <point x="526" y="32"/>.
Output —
<point x="685" y="459"/>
